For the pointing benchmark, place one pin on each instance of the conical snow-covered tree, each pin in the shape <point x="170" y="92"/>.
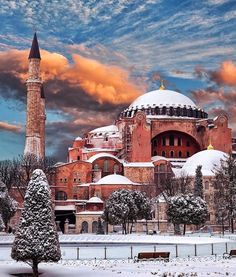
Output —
<point x="198" y="186"/>
<point x="36" y="238"/>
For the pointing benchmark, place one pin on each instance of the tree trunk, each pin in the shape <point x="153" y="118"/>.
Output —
<point x="232" y="225"/>
<point x="222" y="226"/>
<point x="184" y="229"/>
<point x="177" y="229"/>
<point x="131" y="227"/>
<point x="35" y="268"/>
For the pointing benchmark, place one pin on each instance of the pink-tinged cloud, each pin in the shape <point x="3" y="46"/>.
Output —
<point x="9" y="127"/>
<point x="104" y="83"/>
<point x="225" y="75"/>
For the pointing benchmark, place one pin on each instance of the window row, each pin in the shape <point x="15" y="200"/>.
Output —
<point x="171" y="140"/>
<point x="172" y="154"/>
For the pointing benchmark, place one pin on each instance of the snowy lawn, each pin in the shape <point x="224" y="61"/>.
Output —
<point x="124" y="268"/>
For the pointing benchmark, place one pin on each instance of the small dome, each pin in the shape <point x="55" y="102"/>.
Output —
<point x="95" y="199"/>
<point x="208" y="159"/>
<point x="115" y="179"/>
<point x="162" y="98"/>
<point x="105" y="129"/>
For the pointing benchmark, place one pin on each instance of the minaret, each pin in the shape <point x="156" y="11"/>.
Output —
<point x="35" y="122"/>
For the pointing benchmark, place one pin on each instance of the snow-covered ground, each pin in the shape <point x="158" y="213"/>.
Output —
<point x="128" y="239"/>
<point x="83" y="247"/>
<point x="199" y="267"/>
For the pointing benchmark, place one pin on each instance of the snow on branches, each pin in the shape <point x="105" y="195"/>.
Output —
<point x="187" y="209"/>
<point x="8" y="206"/>
<point x="125" y="207"/>
<point x="36" y="238"/>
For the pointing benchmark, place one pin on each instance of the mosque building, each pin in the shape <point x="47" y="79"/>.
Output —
<point x="161" y="132"/>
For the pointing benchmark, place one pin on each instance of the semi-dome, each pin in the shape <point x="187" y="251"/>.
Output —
<point x="115" y="179"/>
<point x="164" y="102"/>
<point x="208" y="159"/>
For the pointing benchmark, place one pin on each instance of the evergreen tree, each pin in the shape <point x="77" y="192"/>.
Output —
<point x="36" y="238"/>
<point x="225" y="198"/>
<point x="8" y="206"/>
<point x="198" y="184"/>
<point x="187" y="209"/>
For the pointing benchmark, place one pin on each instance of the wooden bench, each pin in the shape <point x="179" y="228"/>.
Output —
<point x="163" y="256"/>
<point x="232" y="254"/>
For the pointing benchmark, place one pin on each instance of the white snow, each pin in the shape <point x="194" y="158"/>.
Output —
<point x="115" y="179"/>
<point x="201" y="267"/>
<point x="134" y="238"/>
<point x="158" y="158"/>
<point x="78" y="138"/>
<point x="208" y="159"/>
<point x="95" y="199"/>
<point x="102" y="155"/>
<point x="138" y="164"/>
<point x="91" y="213"/>
<point x="65" y="208"/>
<point x="105" y="129"/>
<point x="162" y="98"/>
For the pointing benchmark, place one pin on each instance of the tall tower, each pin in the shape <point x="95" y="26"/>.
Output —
<point x="35" y="118"/>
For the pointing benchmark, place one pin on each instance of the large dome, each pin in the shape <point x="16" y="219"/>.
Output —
<point x="162" y="98"/>
<point x="164" y="103"/>
<point x="208" y="159"/>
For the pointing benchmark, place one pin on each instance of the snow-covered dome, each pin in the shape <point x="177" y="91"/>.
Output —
<point x="105" y="129"/>
<point x="162" y="98"/>
<point x="163" y="102"/>
<point x="115" y="179"/>
<point x="208" y="159"/>
<point x="78" y="138"/>
<point x="95" y="199"/>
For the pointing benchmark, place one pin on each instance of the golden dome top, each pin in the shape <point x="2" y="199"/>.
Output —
<point x="162" y="87"/>
<point x="210" y="147"/>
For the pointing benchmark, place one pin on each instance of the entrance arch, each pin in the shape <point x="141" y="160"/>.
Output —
<point x="174" y="144"/>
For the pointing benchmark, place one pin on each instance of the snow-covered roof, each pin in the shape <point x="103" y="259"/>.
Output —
<point x="105" y="129"/>
<point x="101" y="155"/>
<point x="208" y="159"/>
<point x="95" y="199"/>
<point x="162" y="98"/>
<point x="78" y="138"/>
<point x="65" y="208"/>
<point x="91" y="213"/>
<point x="115" y="179"/>
<point x="158" y="158"/>
<point x="138" y="164"/>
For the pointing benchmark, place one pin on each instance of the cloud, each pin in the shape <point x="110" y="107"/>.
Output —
<point x="86" y="92"/>
<point x="225" y="75"/>
<point x="102" y="82"/>
<point x="9" y="127"/>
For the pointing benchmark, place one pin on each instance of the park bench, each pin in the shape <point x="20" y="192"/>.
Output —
<point x="144" y="256"/>
<point x="232" y="254"/>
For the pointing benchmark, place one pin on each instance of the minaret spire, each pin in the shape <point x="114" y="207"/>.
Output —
<point x="35" y="122"/>
<point x="34" y="51"/>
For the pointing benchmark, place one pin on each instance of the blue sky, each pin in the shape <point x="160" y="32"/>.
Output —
<point x="184" y="42"/>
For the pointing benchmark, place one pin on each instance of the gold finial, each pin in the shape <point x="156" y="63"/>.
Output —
<point x="210" y="146"/>
<point x="162" y="87"/>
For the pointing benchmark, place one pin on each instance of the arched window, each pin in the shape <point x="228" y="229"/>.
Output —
<point x="61" y="195"/>
<point x="155" y="143"/>
<point x="164" y="141"/>
<point x="179" y="141"/>
<point x="163" y="111"/>
<point x="172" y="140"/>
<point x="157" y="111"/>
<point x="178" y="111"/>
<point x="96" y="167"/>
<point x="171" y="154"/>
<point x="180" y="154"/>
<point x="188" y="154"/>
<point x="105" y="166"/>
<point x="116" y="168"/>
<point x="184" y="111"/>
<point x="84" y="227"/>
<point x="163" y="153"/>
<point x="155" y="153"/>
<point x="94" y="227"/>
